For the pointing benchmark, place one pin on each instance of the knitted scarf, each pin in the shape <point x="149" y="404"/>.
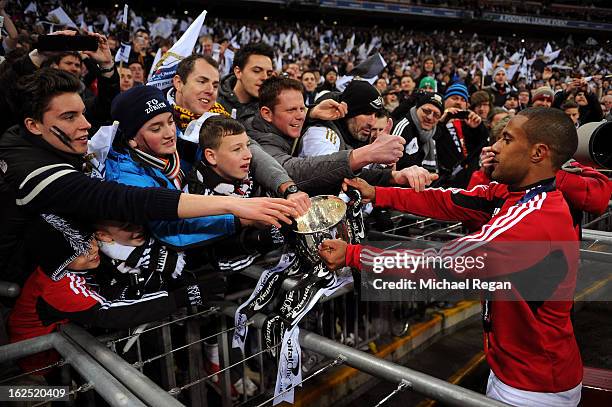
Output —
<point x="183" y="116"/>
<point x="203" y="180"/>
<point x="170" y="165"/>
<point x="427" y="142"/>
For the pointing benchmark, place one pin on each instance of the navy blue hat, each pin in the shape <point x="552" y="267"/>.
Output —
<point x="136" y="106"/>
<point x="457" y="89"/>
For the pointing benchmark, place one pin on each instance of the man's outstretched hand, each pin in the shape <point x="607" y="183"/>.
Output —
<point x="368" y="192"/>
<point x="333" y="253"/>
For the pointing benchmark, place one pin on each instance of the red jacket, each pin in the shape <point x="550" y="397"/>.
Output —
<point x="587" y="191"/>
<point x="45" y="304"/>
<point x="529" y="345"/>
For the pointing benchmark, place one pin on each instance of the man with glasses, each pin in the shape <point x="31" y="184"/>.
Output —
<point x="422" y="134"/>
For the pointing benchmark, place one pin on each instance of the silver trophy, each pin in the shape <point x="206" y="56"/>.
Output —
<point x="326" y="219"/>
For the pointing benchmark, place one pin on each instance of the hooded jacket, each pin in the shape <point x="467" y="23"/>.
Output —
<point x="529" y="345"/>
<point x="228" y="99"/>
<point x="305" y="171"/>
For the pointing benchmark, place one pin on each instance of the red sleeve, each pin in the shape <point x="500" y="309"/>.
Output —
<point x="492" y="250"/>
<point x="478" y="178"/>
<point x="70" y="294"/>
<point x="476" y="204"/>
<point x="587" y="191"/>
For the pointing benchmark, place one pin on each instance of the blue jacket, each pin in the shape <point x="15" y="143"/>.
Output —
<point x="184" y="233"/>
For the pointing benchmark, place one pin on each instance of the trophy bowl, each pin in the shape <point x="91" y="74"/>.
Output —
<point x="326" y="219"/>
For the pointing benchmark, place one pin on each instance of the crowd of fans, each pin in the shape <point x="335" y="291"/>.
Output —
<point x="286" y="126"/>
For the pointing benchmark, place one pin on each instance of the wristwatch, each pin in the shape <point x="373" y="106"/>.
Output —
<point x="106" y="70"/>
<point x="291" y="189"/>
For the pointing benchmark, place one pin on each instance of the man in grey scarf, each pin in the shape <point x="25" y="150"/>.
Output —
<point x="419" y="129"/>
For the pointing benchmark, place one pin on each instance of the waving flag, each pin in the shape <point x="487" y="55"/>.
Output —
<point x="367" y="70"/>
<point x="59" y="16"/>
<point x="165" y="68"/>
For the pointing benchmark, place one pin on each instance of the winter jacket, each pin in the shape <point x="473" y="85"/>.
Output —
<point x="36" y="178"/>
<point x="228" y="99"/>
<point x="529" y="345"/>
<point x="182" y="234"/>
<point x="305" y="171"/>
<point x="323" y="138"/>
<point x="500" y="93"/>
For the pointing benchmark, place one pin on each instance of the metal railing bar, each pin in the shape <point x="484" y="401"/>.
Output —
<point x="420" y="382"/>
<point x="138" y="383"/>
<point x="338" y="361"/>
<point x="107" y="385"/>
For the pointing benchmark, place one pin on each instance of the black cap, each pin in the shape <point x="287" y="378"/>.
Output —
<point x="361" y="98"/>
<point x="431" y="98"/>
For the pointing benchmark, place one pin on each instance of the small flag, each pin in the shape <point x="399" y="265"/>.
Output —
<point x="123" y="54"/>
<point x="59" y="16"/>
<point x="165" y="68"/>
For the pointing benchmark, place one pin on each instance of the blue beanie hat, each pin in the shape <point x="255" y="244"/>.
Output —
<point x="457" y="89"/>
<point x="136" y="106"/>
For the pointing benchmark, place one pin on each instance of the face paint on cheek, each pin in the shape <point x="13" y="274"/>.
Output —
<point x="63" y="137"/>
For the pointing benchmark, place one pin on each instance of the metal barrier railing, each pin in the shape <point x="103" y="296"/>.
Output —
<point x="338" y="321"/>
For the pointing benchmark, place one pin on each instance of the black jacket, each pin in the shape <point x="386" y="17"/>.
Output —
<point x="305" y="171"/>
<point x="500" y="93"/>
<point x="453" y="168"/>
<point x="228" y="99"/>
<point x="590" y="113"/>
<point x="36" y="178"/>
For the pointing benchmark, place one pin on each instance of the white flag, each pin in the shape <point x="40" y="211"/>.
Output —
<point x="99" y="146"/>
<point x="32" y="8"/>
<point x="59" y="16"/>
<point x="548" y="49"/>
<point x="511" y="70"/>
<point x="487" y="66"/>
<point x="124" y="18"/>
<point x="158" y="56"/>
<point x="123" y="54"/>
<point x="165" y="68"/>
